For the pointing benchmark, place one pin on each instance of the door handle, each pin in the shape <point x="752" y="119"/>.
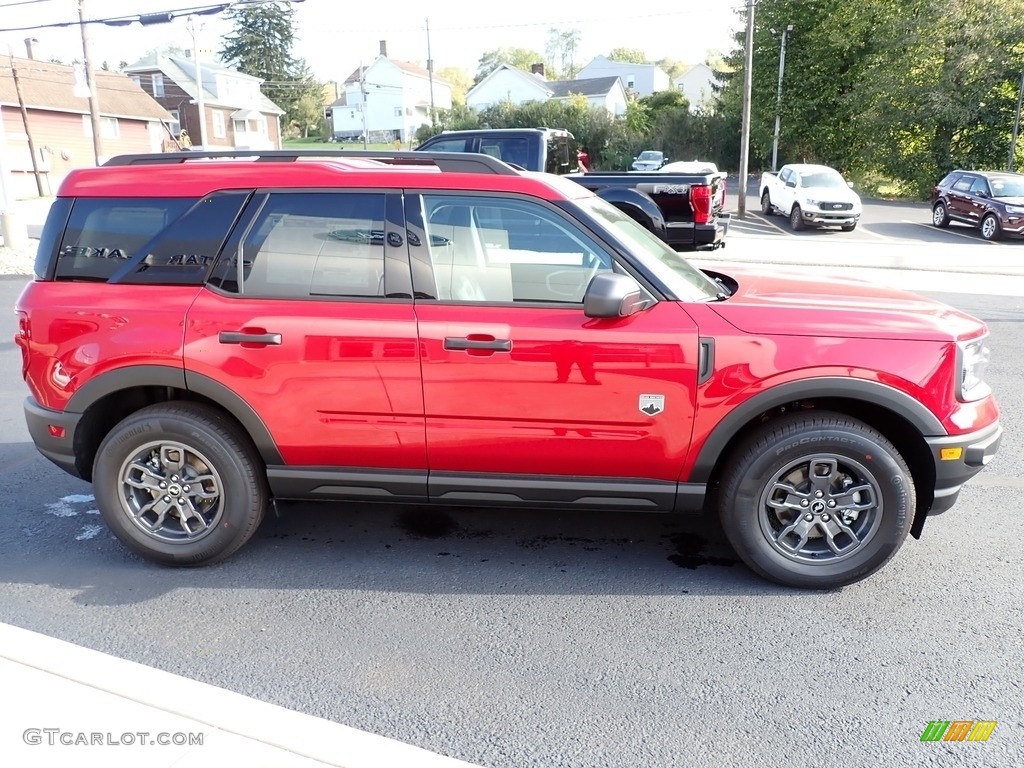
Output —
<point x="235" y="337"/>
<point x="494" y="345"/>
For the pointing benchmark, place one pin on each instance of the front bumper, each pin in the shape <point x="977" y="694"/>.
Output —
<point x="966" y="456"/>
<point x="815" y="218"/>
<point x="53" y="432"/>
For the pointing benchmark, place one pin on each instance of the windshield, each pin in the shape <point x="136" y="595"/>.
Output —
<point x="685" y="281"/>
<point x="822" y="179"/>
<point x="1007" y="187"/>
<point x="650" y="155"/>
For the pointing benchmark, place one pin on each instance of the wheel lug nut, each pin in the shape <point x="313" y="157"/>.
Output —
<point x="163" y="485"/>
<point x="817" y="494"/>
<point x="186" y="488"/>
<point x="825" y="518"/>
<point x="174" y="478"/>
<point x="804" y="502"/>
<point x="808" y="517"/>
<point x="167" y="498"/>
<point x="831" y="502"/>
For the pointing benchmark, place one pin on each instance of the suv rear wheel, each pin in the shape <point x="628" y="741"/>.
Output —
<point x="179" y="484"/>
<point x="816" y="501"/>
<point x="940" y="216"/>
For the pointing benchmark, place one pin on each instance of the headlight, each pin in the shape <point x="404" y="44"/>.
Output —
<point x="809" y="201"/>
<point x="1014" y="209"/>
<point x="973" y="357"/>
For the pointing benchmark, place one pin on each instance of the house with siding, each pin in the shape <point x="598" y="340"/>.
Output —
<point x="60" y="124"/>
<point x="639" y="79"/>
<point x="513" y="85"/>
<point x="237" y="114"/>
<point x="697" y="83"/>
<point x="388" y="99"/>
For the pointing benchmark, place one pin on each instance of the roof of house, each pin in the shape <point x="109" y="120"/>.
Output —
<point x="405" y="66"/>
<point x="591" y="86"/>
<point x="49" y="86"/>
<point x="627" y="64"/>
<point x="182" y="70"/>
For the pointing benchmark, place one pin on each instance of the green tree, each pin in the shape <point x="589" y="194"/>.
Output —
<point x="629" y="55"/>
<point x="561" y="50"/>
<point x="460" y="81"/>
<point x="260" y="44"/>
<point x="520" y="58"/>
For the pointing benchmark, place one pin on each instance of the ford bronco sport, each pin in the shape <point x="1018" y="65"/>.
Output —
<point x="207" y="333"/>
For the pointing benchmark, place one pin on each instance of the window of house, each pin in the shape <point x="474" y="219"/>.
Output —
<point x="110" y="128"/>
<point x="485" y="250"/>
<point x="158" y="85"/>
<point x="238" y="126"/>
<point x="307" y="245"/>
<point x="398" y="112"/>
<point x="175" y="122"/>
<point x="219" y="129"/>
<point x="630" y="81"/>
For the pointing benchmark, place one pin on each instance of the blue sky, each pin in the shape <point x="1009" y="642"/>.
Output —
<point x="335" y="37"/>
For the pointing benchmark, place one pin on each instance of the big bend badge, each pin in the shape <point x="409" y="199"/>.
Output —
<point x="652" y="405"/>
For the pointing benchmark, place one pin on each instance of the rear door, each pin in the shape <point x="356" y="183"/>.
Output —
<point x="308" y="319"/>
<point x="960" y="204"/>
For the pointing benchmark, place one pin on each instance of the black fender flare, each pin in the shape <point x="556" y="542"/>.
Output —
<point x="120" y="379"/>
<point x="900" y="403"/>
<point x="638" y="205"/>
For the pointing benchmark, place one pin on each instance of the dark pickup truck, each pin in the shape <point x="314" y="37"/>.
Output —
<point x="683" y="209"/>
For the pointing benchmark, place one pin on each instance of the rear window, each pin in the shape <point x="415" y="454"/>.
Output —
<point x="147" y="240"/>
<point x="104" y="234"/>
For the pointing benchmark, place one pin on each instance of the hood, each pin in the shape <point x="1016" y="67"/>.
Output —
<point x="1010" y="200"/>
<point x="834" y="194"/>
<point x="794" y="303"/>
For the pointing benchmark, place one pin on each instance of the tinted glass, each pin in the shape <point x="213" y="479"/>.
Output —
<point x="963" y="184"/>
<point x="316" y="245"/>
<point x="485" y="250"/>
<point x="104" y="234"/>
<point x="446" y="145"/>
<point x="979" y="187"/>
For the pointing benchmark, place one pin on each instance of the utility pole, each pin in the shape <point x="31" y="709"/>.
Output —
<point x="430" y="73"/>
<point x="362" y="88"/>
<point x="24" y="120"/>
<point x="90" y="81"/>
<point x="190" y="24"/>
<point x="778" y="99"/>
<point x="1016" y="125"/>
<point x="745" y="130"/>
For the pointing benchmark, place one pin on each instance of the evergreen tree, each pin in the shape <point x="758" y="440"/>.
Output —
<point x="260" y="45"/>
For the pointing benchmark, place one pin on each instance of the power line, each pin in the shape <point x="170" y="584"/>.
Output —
<point x="23" y="2"/>
<point x="144" y="18"/>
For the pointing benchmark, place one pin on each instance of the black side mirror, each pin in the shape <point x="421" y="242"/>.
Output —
<point x="613" y="295"/>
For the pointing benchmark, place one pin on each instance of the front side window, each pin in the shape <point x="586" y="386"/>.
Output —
<point x="979" y="187"/>
<point x="489" y="250"/>
<point x="305" y="245"/>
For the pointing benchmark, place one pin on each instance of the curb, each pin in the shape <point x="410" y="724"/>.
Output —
<point x="276" y="727"/>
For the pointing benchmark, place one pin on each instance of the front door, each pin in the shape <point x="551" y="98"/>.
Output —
<point x="519" y="383"/>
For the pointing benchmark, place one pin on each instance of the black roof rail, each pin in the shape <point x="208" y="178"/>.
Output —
<point x="449" y="162"/>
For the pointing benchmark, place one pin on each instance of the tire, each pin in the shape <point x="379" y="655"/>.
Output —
<point x="796" y="218"/>
<point x="805" y="460"/>
<point x="213" y="481"/>
<point x="990" y="227"/>
<point x="849" y="227"/>
<point x="766" y="204"/>
<point x="940" y="216"/>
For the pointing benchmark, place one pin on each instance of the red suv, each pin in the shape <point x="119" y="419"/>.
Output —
<point x="208" y="333"/>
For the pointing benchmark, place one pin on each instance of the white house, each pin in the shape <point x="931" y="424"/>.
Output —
<point x="696" y="83"/>
<point x="641" y="79"/>
<point x="388" y="100"/>
<point x="510" y="84"/>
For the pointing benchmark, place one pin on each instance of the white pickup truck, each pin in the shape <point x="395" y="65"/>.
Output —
<point x="811" y="196"/>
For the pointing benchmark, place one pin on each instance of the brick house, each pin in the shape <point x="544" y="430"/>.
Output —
<point x="238" y="115"/>
<point x="61" y="126"/>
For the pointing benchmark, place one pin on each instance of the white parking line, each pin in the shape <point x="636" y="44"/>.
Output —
<point x="950" y="232"/>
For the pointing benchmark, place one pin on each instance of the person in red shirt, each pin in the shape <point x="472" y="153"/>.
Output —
<point x="583" y="159"/>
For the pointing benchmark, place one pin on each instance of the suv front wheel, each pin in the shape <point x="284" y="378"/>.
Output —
<point x="180" y="484"/>
<point x="816" y="501"/>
